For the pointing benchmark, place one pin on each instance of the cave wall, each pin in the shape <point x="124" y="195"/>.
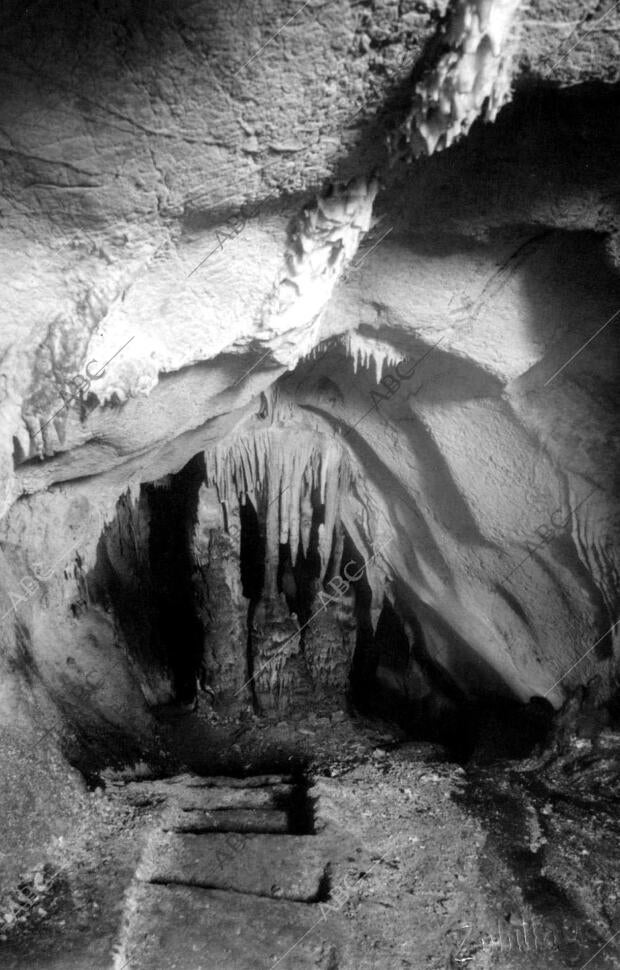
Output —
<point x="68" y="696"/>
<point x="70" y="639"/>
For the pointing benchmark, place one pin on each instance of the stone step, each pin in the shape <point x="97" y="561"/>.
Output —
<point x="190" y="780"/>
<point x="192" y="792"/>
<point x="185" y="928"/>
<point x="281" y="866"/>
<point x="252" y="781"/>
<point x="227" y="820"/>
<point x="207" y="798"/>
<point x="210" y="799"/>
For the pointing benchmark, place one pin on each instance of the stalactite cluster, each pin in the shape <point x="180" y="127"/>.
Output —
<point x="284" y="473"/>
<point x="471" y="79"/>
<point x="324" y="239"/>
<point x="365" y="351"/>
<point x="63" y="374"/>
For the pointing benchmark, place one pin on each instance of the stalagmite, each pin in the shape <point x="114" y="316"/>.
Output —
<point x="337" y="550"/>
<point x="219" y="601"/>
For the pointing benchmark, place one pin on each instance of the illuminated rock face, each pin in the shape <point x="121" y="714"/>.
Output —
<point x="409" y="379"/>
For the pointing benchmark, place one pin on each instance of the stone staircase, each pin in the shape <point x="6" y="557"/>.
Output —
<point x="233" y="877"/>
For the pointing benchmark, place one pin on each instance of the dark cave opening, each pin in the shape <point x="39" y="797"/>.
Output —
<point x="174" y="611"/>
<point x="297" y="580"/>
<point x="176" y="628"/>
<point x="396" y="680"/>
<point x="252" y="551"/>
<point x="394" y="677"/>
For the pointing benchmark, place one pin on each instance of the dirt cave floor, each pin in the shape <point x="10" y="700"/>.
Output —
<point x="431" y="865"/>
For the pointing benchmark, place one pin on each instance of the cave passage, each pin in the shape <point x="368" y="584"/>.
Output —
<point x="309" y="525"/>
<point x="226" y="627"/>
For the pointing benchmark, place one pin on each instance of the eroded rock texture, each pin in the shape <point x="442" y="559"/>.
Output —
<point x="248" y="352"/>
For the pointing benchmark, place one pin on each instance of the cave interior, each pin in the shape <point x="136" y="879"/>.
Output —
<point x="309" y="572"/>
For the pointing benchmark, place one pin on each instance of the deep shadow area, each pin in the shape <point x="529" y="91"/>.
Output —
<point x="172" y="515"/>
<point x="400" y="682"/>
<point x="548" y="146"/>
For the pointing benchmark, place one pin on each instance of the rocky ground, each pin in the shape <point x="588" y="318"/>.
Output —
<point x="392" y="856"/>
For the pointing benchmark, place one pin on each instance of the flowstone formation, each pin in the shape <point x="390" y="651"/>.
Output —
<point x="323" y="241"/>
<point x="471" y="78"/>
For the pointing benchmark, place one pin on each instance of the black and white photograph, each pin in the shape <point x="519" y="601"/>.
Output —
<point x="309" y="484"/>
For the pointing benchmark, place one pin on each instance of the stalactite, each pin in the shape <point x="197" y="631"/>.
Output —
<point x="366" y="351"/>
<point x="471" y="78"/>
<point x="288" y="470"/>
<point x="330" y="487"/>
<point x="295" y="515"/>
<point x="285" y="517"/>
<point x="247" y="465"/>
<point x="305" y="514"/>
<point x="338" y="549"/>
<point x="272" y="533"/>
